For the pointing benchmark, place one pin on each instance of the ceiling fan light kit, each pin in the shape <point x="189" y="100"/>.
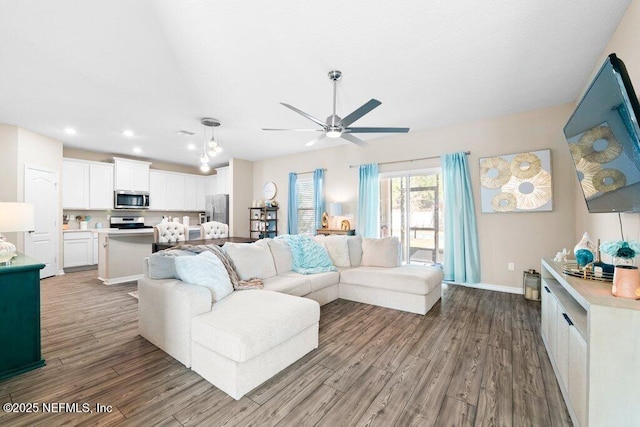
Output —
<point x="336" y="127"/>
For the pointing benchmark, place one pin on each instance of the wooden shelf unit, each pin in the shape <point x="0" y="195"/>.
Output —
<point x="263" y="222"/>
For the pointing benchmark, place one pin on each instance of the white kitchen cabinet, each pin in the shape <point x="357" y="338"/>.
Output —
<point x="78" y="248"/>
<point x="211" y="186"/>
<point x="87" y="185"/>
<point x="101" y="186"/>
<point x="75" y="184"/>
<point x="95" y="248"/>
<point x="191" y="192"/>
<point x="201" y="193"/>
<point x="131" y="175"/>
<point x="222" y="181"/>
<point x="157" y="190"/>
<point x="595" y="349"/>
<point x="175" y="192"/>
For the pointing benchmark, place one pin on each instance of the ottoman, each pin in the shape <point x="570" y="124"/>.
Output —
<point x="250" y="336"/>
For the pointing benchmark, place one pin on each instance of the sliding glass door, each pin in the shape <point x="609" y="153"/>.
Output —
<point x="411" y="208"/>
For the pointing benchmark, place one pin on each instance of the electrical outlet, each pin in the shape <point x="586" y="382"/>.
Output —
<point x="511" y="266"/>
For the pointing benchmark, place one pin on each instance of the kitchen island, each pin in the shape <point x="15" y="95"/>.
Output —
<point x="121" y="254"/>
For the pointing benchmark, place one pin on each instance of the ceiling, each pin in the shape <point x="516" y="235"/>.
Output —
<point x="157" y="67"/>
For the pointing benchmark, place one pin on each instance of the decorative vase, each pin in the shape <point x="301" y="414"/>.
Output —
<point x="584" y="250"/>
<point x="626" y="281"/>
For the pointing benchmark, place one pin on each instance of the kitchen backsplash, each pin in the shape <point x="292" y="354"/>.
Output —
<point x="102" y="217"/>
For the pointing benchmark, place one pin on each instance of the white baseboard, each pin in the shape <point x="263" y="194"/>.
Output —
<point x="489" y="287"/>
<point x="61" y="273"/>
<point x="119" y="280"/>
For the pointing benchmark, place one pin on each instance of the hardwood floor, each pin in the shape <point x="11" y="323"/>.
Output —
<point x="476" y="359"/>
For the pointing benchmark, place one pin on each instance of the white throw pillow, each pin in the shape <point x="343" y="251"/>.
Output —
<point x="355" y="250"/>
<point x="252" y="260"/>
<point x="384" y="252"/>
<point x="338" y="249"/>
<point x="205" y="270"/>
<point x="282" y="256"/>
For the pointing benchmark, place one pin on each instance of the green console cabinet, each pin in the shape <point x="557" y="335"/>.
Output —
<point x="20" y="316"/>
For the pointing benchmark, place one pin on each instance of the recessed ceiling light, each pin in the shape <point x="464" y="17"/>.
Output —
<point x="137" y="150"/>
<point x="70" y="131"/>
<point x="128" y="133"/>
<point x="191" y="147"/>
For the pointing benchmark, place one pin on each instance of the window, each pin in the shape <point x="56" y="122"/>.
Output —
<point x="306" y="216"/>
<point x="411" y="208"/>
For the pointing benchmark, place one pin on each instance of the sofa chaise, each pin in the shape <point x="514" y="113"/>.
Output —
<point x="244" y="339"/>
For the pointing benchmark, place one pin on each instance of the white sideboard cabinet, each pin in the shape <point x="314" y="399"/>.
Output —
<point x="593" y="341"/>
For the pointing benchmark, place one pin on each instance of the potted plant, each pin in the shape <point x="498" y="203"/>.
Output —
<point x="626" y="277"/>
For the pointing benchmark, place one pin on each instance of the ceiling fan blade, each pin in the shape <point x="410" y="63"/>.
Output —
<point x="364" y="109"/>
<point x="354" y="139"/>
<point x="320" y="138"/>
<point x="308" y="116"/>
<point x="377" y="130"/>
<point x="296" y="130"/>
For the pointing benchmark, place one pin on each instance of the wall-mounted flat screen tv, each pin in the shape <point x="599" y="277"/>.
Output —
<point x="603" y="137"/>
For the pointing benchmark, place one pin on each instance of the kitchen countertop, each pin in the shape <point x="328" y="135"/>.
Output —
<point x="122" y="231"/>
<point x="131" y="231"/>
<point x="94" y="230"/>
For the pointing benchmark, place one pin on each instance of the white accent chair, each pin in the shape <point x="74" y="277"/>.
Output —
<point x="214" y="230"/>
<point x="170" y="232"/>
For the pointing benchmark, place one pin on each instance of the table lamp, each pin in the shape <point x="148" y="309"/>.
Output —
<point x="14" y="217"/>
<point x="335" y="209"/>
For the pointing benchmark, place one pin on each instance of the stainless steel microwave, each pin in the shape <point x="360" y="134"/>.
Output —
<point x="130" y="199"/>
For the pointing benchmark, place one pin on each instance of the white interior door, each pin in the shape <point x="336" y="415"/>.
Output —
<point x="41" y="189"/>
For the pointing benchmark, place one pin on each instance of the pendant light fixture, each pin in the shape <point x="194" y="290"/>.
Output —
<point x="210" y="148"/>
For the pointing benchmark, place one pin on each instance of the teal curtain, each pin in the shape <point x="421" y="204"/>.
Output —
<point x="292" y="208"/>
<point x="461" y="252"/>
<point x="318" y="196"/>
<point x="368" y="200"/>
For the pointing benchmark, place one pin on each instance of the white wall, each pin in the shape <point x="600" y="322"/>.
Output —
<point x="624" y="43"/>
<point x="522" y="238"/>
<point x="240" y="196"/>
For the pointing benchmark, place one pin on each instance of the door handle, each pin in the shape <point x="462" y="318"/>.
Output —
<point x="547" y="289"/>
<point x="567" y="319"/>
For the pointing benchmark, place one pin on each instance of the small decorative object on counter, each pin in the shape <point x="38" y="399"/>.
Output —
<point x="584" y="250"/>
<point x="325" y="220"/>
<point x="626" y="277"/>
<point x="345" y="225"/>
<point x="531" y="285"/>
<point x="83" y="220"/>
<point x="561" y="256"/>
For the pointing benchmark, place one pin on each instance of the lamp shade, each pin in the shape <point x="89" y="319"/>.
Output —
<point x="335" y="209"/>
<point x="16" y="217"/>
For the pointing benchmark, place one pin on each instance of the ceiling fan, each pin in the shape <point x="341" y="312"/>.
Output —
<point x="337" y="127"/>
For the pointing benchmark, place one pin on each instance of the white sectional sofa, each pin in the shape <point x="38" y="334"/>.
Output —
<point x="218" y="340"/>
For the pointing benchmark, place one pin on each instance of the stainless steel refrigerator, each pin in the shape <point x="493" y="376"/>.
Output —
<point x="217" y="208"/>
